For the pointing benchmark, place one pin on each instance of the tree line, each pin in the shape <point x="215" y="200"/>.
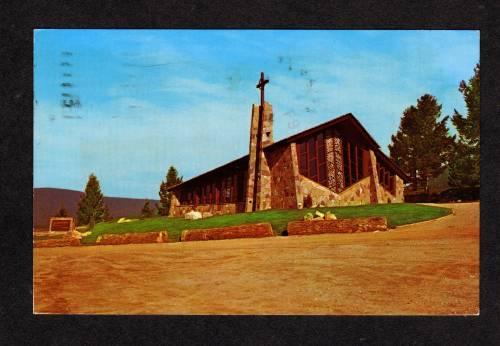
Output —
<point x="92" y="209"/>
<point x="424" y="148"/>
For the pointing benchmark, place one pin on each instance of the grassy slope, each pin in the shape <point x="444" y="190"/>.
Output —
<point x="396" y="214"/>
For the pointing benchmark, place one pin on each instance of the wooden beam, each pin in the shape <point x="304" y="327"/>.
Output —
<point x="356" y="160"/>
<point x="349" y="161"/>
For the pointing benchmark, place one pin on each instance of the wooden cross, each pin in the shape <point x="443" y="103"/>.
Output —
<point x="261" y="85"/>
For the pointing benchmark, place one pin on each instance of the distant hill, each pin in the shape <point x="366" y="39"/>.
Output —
<point x="48" y="201"/>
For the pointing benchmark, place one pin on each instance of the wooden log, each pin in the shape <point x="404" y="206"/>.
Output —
<point x="362" y="224"/>
<point x="132" y="238"/>
<point x="258" y="230"/>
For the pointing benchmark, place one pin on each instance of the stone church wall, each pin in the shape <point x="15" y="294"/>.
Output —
<point x="397" y="197"/>
<point x="220" y="209"/>
<point x="283" y="191"/>
<point x="315" y="194"/>
<point x="357" y="194"/>
<point x="264" y="186"/>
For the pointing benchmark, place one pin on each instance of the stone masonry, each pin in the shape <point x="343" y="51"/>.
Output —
<point x="263" y="198"/>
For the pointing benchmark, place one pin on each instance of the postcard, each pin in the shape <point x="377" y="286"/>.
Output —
<point x="256" y="172"/>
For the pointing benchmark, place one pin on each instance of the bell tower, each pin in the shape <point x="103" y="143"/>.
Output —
<point x="261" y="135"/>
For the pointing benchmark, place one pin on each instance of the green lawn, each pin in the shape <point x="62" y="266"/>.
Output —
<point x="396" y="214"/>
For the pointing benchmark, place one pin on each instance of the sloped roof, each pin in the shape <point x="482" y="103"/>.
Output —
<point x="343" y="118"/>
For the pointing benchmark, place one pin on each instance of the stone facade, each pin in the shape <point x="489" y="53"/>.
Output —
<point x="317" y="194"/>
<point x="332" y="165"/>
<point x="283" y="179"/>
<point x="375" y="189"/>
<point x="219" y="209"/>
<point x="356" y="194"/>
<point x="334" y="161"/>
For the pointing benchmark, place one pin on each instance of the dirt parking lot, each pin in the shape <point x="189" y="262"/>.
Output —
<point x="426" y="268"/>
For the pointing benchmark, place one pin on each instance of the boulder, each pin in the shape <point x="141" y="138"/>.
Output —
<point x="193" y="215"/>
<point x="122" y="220"/>
<point x="206" y="214"/>
<point x="258" y="230"/>
<point x="132" y="238"/>
<point x="76" y="235"/>
<point x="330" y="216"/>
<point x="319" y="214"/>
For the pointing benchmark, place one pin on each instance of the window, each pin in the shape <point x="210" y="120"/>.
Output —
<point x="303" y="159"/>
<point x="353" y="159"/>
<point x="312" y="158"/>
<point x="241" y="186"/>
<point x="360" y="163"/>
<point x="227" y="189"/>
<point x="345" y="157"/>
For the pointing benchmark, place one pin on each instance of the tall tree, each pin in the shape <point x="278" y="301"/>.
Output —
<point x="106" y="216"/>
<point x="171" y="179"/>
<point x="91" y="208"/>
<point x="422" y="145"/>
<point x="147" y="211"/>
<point x="464" y="167"/>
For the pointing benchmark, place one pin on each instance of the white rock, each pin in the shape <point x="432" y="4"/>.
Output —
<point x="193" y="215"/>
<point x="330" y="216"/>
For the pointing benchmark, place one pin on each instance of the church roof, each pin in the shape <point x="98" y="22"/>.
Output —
<point x="243" y="161"/>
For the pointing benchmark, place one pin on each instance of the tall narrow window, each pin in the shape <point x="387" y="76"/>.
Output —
<point x="303" y="158"/>
<point x="322" y="177"/>
<point x="360" y="163"/>
<point x="227" y="190"/>
<point x="353" y="159"/>
<point x="311" y="159"/>
<point x="345" y="157"/>
<point x="241" y="187"/>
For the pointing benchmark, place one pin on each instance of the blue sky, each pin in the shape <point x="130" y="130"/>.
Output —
<point x="154" y="98"/>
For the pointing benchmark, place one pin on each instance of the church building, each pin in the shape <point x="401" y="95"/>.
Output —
<point x="336" y="163"/>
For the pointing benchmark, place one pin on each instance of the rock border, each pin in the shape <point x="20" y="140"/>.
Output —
<point x="352" y="225"/>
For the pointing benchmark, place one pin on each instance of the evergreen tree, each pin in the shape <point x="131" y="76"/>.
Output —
<point x="422" y="145"/>
<point x="91" y="208"/>
<point x="106" y="215"/>
<point x="171" y="179"/>
<point x="147" y="211"/>
<point x="464" y="167"/>
<point x="62" y="212"/>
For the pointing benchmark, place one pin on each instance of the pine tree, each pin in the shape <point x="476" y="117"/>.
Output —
<point x="62" y="212"/>
<point x="465" y="166"/>
<point x="171" y="179"/>
<point x="106" y="215"/>
<point x="147" y="211"/>
<point x="422" y="146"/>
<point x="91" y="208"/>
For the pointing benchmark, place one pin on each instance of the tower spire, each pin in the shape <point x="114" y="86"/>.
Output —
<point x="261" y="85"/>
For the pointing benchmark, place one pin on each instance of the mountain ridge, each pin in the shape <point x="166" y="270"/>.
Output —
<point x="48" y="200"/>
